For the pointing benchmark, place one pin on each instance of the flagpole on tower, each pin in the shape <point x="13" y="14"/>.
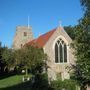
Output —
<point x="28" y="21"/>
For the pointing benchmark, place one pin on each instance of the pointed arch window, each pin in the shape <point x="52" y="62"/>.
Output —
<point x="60" y="51"/>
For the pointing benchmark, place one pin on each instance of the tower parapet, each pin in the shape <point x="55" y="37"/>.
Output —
<point x="22" y="36"/>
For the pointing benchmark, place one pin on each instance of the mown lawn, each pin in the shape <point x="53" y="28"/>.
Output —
<point x="14" y="83"/>
<point x="10" y="81"/>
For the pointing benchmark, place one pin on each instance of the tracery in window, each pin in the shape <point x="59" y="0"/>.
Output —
<point x="60" y="51"/>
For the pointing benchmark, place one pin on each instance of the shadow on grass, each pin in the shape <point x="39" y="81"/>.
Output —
<point x="39" y="82"/>
<point x="27" y="86"/>
<point x="22" y="86"/>
<point x="6" y="75"/>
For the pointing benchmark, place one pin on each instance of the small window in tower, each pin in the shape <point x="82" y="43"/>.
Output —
<point x="25" y="33"/>
<point x="21" y="45"/>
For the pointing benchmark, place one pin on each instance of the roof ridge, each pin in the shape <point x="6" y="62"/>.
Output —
<point x="47" y="32"/>
<point x="42" y="39"/>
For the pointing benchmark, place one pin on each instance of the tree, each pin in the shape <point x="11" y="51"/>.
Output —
<point x="2" y="64"/>
<point x="86" y="6"/>
<point x="82" y="54"/>
<point x="70" y="31"/>
<point x="8" y="57"/>
<point x="81" y="46"/>
<point x="30" y="58"/>
<point x="85" y="21"/>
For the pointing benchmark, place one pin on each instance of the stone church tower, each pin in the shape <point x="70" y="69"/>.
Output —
<point x="22" y="36"/>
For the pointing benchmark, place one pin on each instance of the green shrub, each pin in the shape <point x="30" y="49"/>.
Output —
<point x="57" y="85"/>
<point x="41" y="82"/>
<point x="66" y="85"/>
<point x="69" y="84"/>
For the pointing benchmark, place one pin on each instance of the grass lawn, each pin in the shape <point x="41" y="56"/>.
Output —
<point x="14" y="83"/>
<point x="10" y="81"/>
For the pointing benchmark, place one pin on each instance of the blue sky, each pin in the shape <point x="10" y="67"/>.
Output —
<point x="44" y="16"/>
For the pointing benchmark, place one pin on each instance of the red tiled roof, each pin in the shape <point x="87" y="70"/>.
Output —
<point x="41" y="40"/>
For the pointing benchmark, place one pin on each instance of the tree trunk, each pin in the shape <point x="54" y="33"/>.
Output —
<point x="26" y="71"/>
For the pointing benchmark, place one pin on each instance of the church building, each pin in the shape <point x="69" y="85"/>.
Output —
<point x="55" y="43"/>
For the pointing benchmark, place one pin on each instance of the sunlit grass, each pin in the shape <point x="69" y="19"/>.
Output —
<point x="10" y="81"/>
